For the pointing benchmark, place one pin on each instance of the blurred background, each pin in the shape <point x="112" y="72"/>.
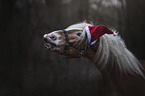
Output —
<point x="28" y="69"/>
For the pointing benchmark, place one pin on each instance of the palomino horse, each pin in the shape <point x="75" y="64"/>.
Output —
<point x="122" y="74"/>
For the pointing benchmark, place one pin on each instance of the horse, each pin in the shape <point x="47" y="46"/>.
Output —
<point x="122" y="73"/>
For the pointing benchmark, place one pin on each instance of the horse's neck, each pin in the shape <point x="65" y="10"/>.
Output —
<point x="114" y="81"/>
<point x="108" y="71"/>
<point x="109" y="78"/>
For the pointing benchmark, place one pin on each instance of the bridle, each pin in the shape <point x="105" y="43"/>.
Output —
<point x="72" y="45"/>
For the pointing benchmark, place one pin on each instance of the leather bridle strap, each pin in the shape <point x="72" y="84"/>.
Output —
<point x="72" y="45"/>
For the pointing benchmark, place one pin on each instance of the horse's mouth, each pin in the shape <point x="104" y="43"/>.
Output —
<point x="50" y="46"/>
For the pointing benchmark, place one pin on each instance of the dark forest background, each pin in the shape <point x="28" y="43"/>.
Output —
<point x="28" y="69"/>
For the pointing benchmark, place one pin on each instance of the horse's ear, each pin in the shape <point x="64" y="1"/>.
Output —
<point x="85" y="21"/>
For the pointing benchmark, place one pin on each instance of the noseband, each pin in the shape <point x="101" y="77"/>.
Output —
<point x="72" y="45"/>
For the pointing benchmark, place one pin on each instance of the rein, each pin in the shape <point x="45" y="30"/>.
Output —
<point x="72" y="45"/>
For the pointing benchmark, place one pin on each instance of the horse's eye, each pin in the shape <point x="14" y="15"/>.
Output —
<point x="79" y="34"/>
<point x="53" y="37"/>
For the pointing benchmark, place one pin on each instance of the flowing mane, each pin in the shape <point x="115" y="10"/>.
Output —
<point x="112" y="50"/>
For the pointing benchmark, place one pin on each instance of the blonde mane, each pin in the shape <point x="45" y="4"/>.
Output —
<point x="112" y="49"/>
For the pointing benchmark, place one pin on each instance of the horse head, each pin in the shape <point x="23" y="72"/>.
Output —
<point x="67" y="41"/>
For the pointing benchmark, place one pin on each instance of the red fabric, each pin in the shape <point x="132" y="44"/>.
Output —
<point x="98" y="31"/>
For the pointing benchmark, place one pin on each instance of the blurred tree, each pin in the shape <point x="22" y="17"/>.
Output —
<point x="135" y="27"/>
